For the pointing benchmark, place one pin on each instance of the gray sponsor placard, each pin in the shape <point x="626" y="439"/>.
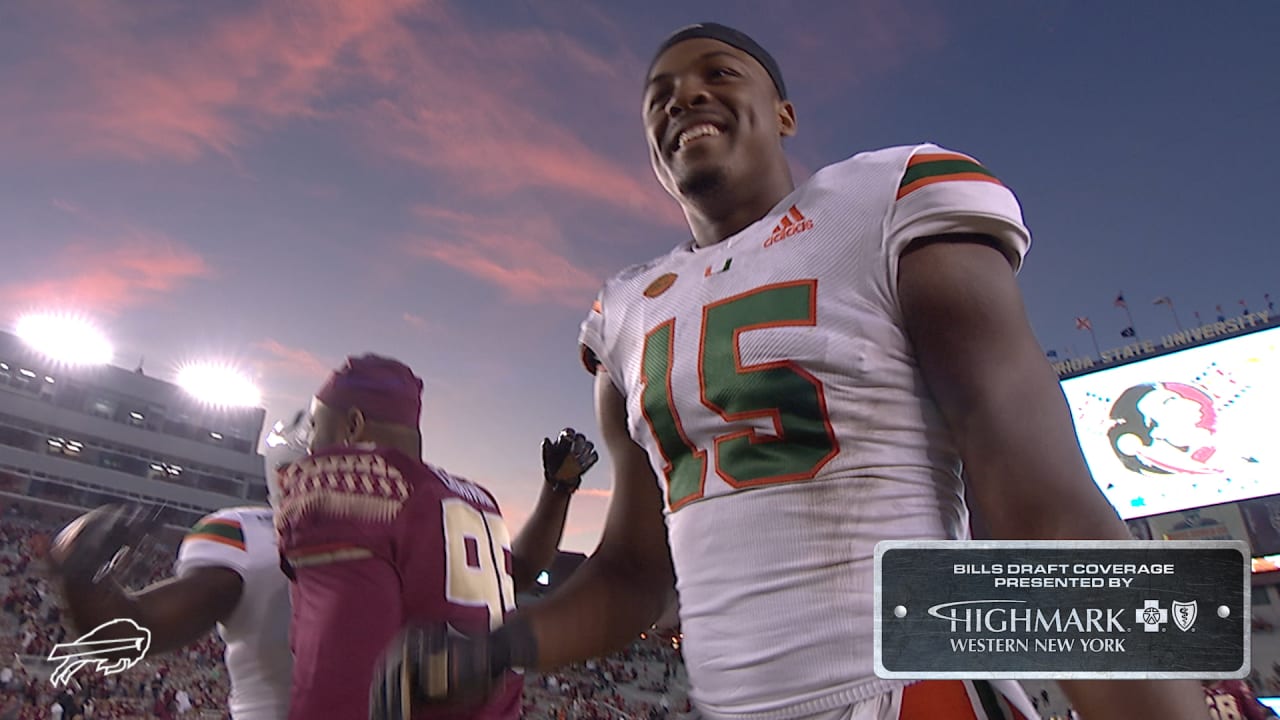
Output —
<point x="1053" y="610"/>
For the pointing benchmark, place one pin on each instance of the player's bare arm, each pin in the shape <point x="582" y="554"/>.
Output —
<point x="564" y="461"/>
<point x="625" y="585"/>
<point x="1009" y="420"/>
<point x="176" y="611"/>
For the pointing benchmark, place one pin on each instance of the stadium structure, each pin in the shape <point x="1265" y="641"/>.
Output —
<point x="1177" y="435"/>
<point x="75" y="437"/>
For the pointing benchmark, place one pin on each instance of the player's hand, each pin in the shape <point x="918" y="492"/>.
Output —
<point x="88" y="548"/>
<point x="432" y="666"/>
<point x="567" y="459"/>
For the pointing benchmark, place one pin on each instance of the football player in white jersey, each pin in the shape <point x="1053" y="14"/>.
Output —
<point x="227" y="575"/>
<point x="800" y="380"/>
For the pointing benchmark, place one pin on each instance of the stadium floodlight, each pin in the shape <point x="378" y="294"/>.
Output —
<point x="65" y="339"/>
<point x="219" y="385"/>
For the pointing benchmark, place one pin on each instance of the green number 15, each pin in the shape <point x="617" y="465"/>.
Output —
<point x="780" y="391"/>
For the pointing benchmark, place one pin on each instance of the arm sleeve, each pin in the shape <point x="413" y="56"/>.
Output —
<point x="942" y="192"/>
<point x="217" y="540"/>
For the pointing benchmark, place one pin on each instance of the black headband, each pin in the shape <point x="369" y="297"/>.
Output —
<point x="728" y="36"/>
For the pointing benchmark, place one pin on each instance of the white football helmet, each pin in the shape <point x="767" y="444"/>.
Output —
<point x="287" y="442"/>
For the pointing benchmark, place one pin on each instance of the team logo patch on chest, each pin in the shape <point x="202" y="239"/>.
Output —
<point x="723" y="268"/>
<point x="661" y="285"/>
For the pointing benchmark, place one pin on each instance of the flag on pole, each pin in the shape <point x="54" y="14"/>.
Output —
<point x="1244" y="305"/>
<point x="1082" y="323"/>
<point x="1222" y="316"/>
<point x="1131" y="330"/>
<point x="1197" y="314"/>
<point x="1271" y="307"/>
<point x="1168" y="302"/>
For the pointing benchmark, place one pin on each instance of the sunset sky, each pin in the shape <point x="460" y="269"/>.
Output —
<point x="280" y="184"/>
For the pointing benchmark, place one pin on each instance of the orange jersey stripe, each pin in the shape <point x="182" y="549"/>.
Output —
<point x="934" y="157"/>
<point x="595" y="306"/>
<point x="923" y="182"/>
<point x="217" y="539"/>
<point x="222" y="521"/>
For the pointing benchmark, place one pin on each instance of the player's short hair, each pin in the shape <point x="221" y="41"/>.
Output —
<point x="728" y="36"/>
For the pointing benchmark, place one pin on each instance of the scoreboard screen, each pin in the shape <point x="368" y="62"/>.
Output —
<point x="1184" y="429"/>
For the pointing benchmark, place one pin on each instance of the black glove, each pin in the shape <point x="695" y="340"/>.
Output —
<point x="94" y="544"/>
<point x="566" y="460"/>
<point x="434" y="665"/>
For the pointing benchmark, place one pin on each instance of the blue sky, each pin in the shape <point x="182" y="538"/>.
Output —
<point x="280" y="184"/>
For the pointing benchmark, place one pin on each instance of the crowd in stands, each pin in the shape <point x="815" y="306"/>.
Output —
<point x="191" y="684"/>
<point x="644" y="682"/>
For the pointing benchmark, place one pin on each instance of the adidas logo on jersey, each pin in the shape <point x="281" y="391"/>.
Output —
<point x="793" y="223"/>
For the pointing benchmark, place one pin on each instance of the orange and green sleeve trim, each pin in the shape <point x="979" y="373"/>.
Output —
<point x="929" y="168"/>
<point x="227" y="532"/>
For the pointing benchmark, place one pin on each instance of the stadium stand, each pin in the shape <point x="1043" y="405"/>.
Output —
<point x="645" y="682"/>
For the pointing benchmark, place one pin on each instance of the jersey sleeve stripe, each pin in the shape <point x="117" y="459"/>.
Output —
<point x="220" y="521"/>
<point x="928" y="168"/>
<point x="927" y="157"/>
<point x="218" y="529"/>
<point x="210" y="537"/>
<point x="982" y="176"/>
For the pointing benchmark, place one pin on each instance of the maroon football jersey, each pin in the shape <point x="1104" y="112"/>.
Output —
<point x="377" y="540"/>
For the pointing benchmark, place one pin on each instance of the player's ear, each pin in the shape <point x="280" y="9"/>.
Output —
<point x="356" y="424"/>
<point x="786" y="118"/>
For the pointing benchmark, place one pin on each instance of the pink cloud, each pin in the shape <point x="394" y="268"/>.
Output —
<point x="530" y="264"/>
<point x="133" y="81"/>
<point x="128" y="270"/>
<point x="127" y="80"/>
<point x="416" y="321"/>
<point x="867" y="39"/>
<point x="490" y="108"/>
<point x="586" y="513"/>
<point x="120" y="80"/>
<point x="67" y="207"/>
<point x="292" y="361"/>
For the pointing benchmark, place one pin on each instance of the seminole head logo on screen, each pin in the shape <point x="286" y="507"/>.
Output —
<point x="1165" y="428"/>
<point x="1160" y="429"/>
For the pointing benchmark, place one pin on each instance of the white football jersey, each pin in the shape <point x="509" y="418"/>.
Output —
<point x="257" y="632"/>
<point x="775" y="389"/>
